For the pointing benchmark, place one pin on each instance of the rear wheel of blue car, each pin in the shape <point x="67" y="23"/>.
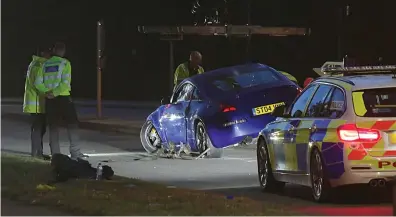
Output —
<point x="149" y="137"/>
<point x="267" y="181"/>
<point x="203" y="142"/>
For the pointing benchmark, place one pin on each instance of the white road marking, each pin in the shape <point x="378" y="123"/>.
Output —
<point x="249" y="160"/>
<point x="112" y="154"/>
<point x="228" y="187"/>
<point x="238" y="158"/>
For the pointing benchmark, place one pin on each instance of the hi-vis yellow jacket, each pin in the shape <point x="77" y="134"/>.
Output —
<point x="33" y="101"/>
<point x="182" y="72"/>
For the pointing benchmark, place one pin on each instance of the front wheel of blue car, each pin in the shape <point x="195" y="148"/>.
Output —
<point x="149" y="137"/>
<point x="203" y="142"/>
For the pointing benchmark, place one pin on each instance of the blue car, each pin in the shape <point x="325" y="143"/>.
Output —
<point x="217" y="109"/>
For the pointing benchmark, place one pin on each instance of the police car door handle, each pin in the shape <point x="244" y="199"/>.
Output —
<point x="313" y="128"/>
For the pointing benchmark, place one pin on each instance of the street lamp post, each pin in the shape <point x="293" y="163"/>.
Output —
<point x="171" y="65"/>
<point x="99" y="56"/>
<point x="341" y="30"/>
<point x="249" y="36"/>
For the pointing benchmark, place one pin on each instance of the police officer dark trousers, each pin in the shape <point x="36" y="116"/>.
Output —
<point x="55" y="81"/>
<point x="60" y="110"/>
<point x="38" y="129"/>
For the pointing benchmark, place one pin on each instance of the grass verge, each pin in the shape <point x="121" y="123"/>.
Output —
<point x="121" y="196"/>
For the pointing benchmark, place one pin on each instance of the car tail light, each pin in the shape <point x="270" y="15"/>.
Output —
<point x="351" y="133"/>
<point x="227" y="108"/>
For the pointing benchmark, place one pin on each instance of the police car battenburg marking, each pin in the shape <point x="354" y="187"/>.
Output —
<point x="266" y="109"/>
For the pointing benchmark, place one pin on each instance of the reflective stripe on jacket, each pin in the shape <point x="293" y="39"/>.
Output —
<point x="33" y="101"/>
<point x="55" y="76"/>
<point x="182" y="72"/>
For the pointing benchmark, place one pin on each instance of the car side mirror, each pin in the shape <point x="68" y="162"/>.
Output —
<point x="280" y="111"/>
<point x="165" y="100"/>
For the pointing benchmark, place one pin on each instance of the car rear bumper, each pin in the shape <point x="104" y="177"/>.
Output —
<point x="237" y="134"/>
<point x="366" y="170"/>
<point x="350" y="177"/>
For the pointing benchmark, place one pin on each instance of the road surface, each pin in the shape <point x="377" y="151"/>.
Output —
<point x="234" y="174"/>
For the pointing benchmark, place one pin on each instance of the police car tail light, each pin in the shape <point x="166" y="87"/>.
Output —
<point x="227" y="108"/>
<point x="351" y="133"/>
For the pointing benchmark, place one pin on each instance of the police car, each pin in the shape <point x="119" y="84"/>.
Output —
<point x="340" y="130"/>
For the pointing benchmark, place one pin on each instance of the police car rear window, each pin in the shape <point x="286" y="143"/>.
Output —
<point x="245" y="80"/>
<point x="379" y="102"/>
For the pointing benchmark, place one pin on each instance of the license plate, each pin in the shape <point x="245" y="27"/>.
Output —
<point x="392" y="138"/>
<point x="266" y="109"/>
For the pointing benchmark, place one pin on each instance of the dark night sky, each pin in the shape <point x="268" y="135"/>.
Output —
<point x="368" y="33"/>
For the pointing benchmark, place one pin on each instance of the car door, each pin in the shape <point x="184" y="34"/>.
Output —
<point x="193" y="111"/>
<point x="313" y="126"/>
<point x="173" y="119"/>
<point x="324" y="132"/>
<point x="285" y="152"/>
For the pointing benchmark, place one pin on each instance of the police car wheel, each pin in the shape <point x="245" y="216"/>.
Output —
<point x="203" y="142"/>
<point x="266" y="178"/>
<point x="319" y="183"/>
<point x="149" y="138"/>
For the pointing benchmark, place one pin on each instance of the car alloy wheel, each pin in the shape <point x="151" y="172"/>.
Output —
<point x="266" y="178"/>
<point x="201" y="138"/>
<point x="262" y="161"/>
<point x="317" y="175"/>
<point x="152" y="141"/>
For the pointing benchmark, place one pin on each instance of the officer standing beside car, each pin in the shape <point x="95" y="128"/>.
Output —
<point x="189" y="68"/>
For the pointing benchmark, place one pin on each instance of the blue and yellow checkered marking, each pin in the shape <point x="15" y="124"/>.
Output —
<point x="302" y="156"/>
<point x="294" y="151"/>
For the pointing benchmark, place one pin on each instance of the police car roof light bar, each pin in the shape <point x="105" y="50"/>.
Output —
<point x="360" y="70"/>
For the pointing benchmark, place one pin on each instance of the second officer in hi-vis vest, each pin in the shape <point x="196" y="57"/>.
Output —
<point x="34" y="103"/>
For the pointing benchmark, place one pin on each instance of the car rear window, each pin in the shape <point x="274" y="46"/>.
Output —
<point x="245" y="80"/>
<point x="379" y="102"/>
